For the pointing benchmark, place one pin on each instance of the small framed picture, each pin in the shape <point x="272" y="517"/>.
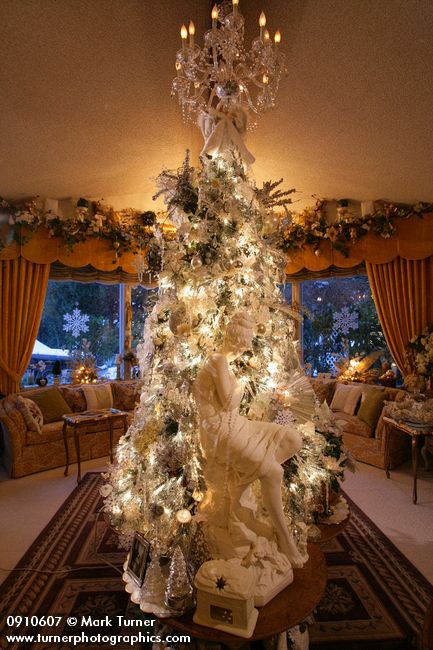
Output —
<point x="138" y="558"/>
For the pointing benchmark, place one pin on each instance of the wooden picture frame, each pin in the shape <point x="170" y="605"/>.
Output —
<point x="138" y="558"/>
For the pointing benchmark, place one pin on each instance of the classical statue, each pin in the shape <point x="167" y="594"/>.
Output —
<point x="239" y="451"/>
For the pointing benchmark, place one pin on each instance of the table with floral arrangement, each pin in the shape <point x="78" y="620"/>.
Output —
<point x="413" y="416"/>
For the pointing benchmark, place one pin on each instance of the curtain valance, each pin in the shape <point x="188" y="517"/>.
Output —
<point x="41" y="249"/>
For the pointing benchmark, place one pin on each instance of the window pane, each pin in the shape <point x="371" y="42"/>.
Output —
<point x="341" y="323"/>
<point x="77" y="317"/>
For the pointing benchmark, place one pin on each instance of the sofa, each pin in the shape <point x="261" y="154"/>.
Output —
<point x="31" y="424"/>
<point x="359" y="410"/>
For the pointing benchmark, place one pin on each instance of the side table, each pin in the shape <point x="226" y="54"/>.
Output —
<point x="415" y="433"/>
<point x="81" y="421"/>
<point x="290" y="607"/>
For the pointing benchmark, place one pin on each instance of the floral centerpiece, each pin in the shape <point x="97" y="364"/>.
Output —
<point x="410" y="409"/>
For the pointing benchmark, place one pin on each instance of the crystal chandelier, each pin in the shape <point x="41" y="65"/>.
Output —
<point x="223" y="74"/>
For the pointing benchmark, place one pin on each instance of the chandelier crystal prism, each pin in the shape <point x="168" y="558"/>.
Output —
<point x="223" y="74"/>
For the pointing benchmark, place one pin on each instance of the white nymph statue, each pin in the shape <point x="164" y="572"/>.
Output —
<point x="239" y="451"/>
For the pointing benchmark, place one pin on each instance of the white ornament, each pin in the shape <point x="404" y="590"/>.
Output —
<point x="76" y="323"/>
<point x="183" y="516"/>
<point x="196" y="262"/>
<point x="197" y="495"/>
<point x="140" y="266"/>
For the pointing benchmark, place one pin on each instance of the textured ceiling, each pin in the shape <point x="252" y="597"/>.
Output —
<point x="86" y="107"/>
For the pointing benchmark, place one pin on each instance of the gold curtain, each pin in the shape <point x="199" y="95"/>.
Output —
<point x="23" y="286"/>
<point x="403" y="295"/>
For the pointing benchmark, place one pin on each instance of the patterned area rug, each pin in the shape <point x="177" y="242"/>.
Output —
<point x="375" y="599"/>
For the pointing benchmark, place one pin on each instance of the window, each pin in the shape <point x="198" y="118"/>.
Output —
<point x="80" y="320"/>
<point x="340" y="323"/>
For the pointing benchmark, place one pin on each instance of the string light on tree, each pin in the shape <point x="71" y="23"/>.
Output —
<point x="183" y="516"/>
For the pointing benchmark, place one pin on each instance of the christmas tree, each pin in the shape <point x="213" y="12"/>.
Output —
<point x="220" y="262"/>
<point x="178" y="595"/>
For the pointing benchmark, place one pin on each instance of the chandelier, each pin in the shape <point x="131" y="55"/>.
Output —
<point x="223" y="75"/>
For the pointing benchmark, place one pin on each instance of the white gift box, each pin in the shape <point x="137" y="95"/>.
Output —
<point x="225" y="597"/>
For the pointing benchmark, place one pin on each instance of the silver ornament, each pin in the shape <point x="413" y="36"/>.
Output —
<point x="196" y="262"/>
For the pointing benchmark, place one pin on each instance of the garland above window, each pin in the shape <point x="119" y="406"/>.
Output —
<point x="133" y="231"/>
<point x="126" y="231"/>
<point x="311" y="227"/>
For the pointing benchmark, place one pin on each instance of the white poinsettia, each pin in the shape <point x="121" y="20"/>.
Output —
<point x="105" y="490"/>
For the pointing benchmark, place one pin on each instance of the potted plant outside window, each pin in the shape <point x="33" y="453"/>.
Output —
<point x="57" y="371"/>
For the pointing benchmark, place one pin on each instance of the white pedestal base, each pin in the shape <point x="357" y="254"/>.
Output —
<point x="263" y="594"/>
<point x="246" y="633"/>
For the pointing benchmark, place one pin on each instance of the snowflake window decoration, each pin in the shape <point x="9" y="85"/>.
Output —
<point x="345" y="320"/>
<point x="76" y="323"/>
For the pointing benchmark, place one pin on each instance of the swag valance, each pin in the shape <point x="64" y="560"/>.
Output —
<point x="97" y="253"/>
<point x="412" y="241"/>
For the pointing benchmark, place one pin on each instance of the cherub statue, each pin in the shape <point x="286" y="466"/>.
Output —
<point x="239" y="451"/>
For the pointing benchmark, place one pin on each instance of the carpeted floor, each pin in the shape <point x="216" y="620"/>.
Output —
<point x="374" y="600"/>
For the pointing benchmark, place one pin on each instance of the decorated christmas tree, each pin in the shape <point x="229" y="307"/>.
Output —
<point x="220" y="267"/>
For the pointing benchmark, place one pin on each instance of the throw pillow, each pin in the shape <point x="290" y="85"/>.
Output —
<point x="346" y="398"/>
<point x="124" y="396"/>
<point x="324" y="390"/>
<point x="98" y="396"/>
<point x="371" y="407"/>
<point x="74" y="397"/>
<point x="52" y="404"/>
<point x="31" y="413"/>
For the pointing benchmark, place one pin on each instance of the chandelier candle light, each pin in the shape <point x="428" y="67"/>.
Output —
<point x="223" y="74"/>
